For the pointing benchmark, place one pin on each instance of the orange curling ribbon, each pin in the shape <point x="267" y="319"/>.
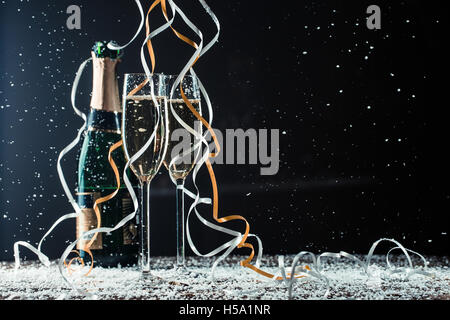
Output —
<point x="151" y="52"/>
<point x="139" y="87"/>
<point x="147" y="32"/>
<point x="97" y="212"/>
<point x="120" y="143"/>
<point x="79" y="259"/>
<point x="243" y="244"/>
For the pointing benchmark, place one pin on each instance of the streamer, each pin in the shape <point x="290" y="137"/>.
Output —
<point x="316" y="268"/>
<point x="42" y="257"/>
<point x="131" y="160"/>
<point x="87" y="247"/>
<point x="240" y="240"/>
<point x="147" y="70"/>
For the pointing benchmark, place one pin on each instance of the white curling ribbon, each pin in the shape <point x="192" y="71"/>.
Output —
<point x="128" y="164"/>
<point x="216" y="22"/>
<point x="233" y="243"/>
<point x="282" y="269"/>
<point x="260" y="250"/>
<point x="316" y="267"/>
<point x="208" y="102"/>
<point x="318" y="264"/>
<point x="76" y="140"/>
<point x="125" y="177"/>
<point x="372" y="249"/>
<point x="124" y="220"/>
<point x="42" y="257"/>
<point x="413" y="270"/>
<point x="113" y="46"/>
<point x="131" y="160"/>
<point x="202" y="139"/>
<point x="149" y="37"/>
<point x="316" y="271"/>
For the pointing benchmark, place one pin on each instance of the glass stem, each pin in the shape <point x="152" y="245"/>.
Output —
<point x="145" y="227"/>
<point x="180" y="224"/>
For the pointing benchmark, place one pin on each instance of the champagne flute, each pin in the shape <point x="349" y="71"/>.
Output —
<point x="144" y="113"/>
<point x="181" y="155"/>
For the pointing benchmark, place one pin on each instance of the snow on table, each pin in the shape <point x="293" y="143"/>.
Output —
<point x="232" y="282"/>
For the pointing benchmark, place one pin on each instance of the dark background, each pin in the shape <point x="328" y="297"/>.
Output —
<point x="364" y="117"/>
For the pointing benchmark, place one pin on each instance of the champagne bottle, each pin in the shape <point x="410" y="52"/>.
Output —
<point x="95" y="175"/>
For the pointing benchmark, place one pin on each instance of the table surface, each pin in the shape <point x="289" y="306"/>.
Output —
<point x="34" y="281"/>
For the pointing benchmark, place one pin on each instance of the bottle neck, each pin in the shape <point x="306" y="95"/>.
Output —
<point x="105" y="92"/>
<point x="102" y="120"/>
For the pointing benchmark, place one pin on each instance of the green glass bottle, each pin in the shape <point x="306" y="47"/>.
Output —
<point x="95" y="175"/>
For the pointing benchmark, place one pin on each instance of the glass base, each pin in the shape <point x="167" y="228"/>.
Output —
<point x="145" y="275"/>
<point x="180" y="268"/>
<point x="149" y="279"/>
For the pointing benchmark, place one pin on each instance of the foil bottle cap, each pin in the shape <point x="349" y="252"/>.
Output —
<point x="105" y="91"/>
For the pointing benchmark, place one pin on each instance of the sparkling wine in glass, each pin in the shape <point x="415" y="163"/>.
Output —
<point x="144" y="114"/>
<point x="183" y="147"/>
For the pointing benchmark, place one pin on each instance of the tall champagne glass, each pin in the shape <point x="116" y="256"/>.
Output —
<point x="183" y="148"/>
<point x="144" y="114"/>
